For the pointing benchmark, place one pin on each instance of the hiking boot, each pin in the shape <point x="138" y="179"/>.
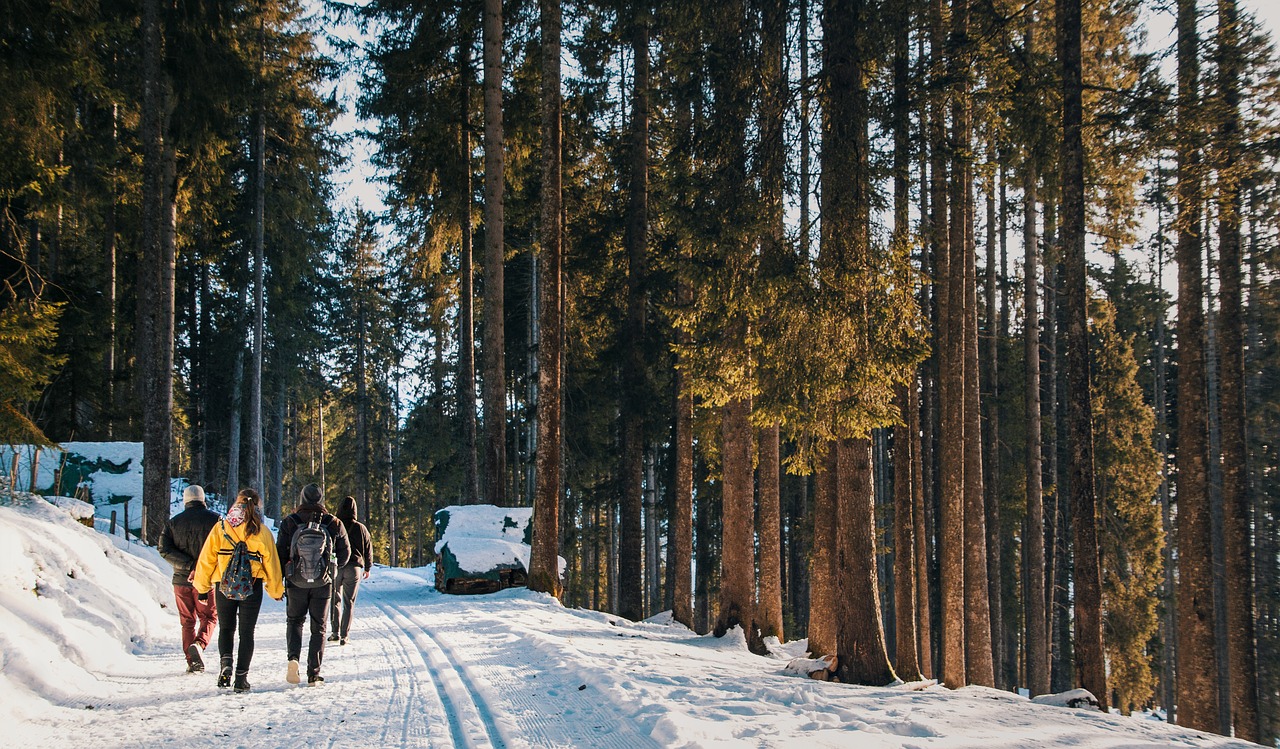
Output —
<point x="291" y="673"/>
<point x="195" y="661"/>
<point x="242" y="683"/>
<point x="224" y="678"/>
<point x="333" y="637"/>
<point x="343" y="642"/>
<point x="315" y="680"/>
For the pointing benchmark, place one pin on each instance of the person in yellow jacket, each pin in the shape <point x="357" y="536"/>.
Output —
<point x="242" y="523"/>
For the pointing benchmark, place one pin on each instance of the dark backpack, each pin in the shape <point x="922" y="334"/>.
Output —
<point x="237" y="579"/>
<point x="311" y="557"/>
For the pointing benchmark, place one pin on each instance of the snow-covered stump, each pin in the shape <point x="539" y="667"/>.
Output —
<point x="822" y="668"/>
<point x="1081" y="699"/>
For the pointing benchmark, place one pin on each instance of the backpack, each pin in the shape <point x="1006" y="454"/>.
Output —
<point x="237" y="579"/>
<point x="311" y="557"/>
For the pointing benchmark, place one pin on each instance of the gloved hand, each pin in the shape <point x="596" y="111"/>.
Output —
<point x="202" y="597"/>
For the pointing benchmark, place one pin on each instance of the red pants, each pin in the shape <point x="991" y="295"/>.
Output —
<point x="191" y="609"/>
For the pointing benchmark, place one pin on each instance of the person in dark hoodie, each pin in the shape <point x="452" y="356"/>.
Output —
<point x="180" y="543"/>
<point x="347" y="582"/>
<point x="303" y="533"/>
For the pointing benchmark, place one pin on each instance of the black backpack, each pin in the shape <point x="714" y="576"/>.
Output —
<point x="237" y="579"/>
<point x="311" y="557"/>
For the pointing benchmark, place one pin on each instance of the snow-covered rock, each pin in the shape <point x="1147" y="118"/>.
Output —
<point x="1074" y="698"/>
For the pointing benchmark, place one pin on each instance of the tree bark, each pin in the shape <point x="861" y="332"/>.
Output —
<point x="494" y="382"/>
<point x="1090" y="657"/>
<point x="256" y="478"/>
<point x="1241" y="653"/>
<point x="466" y="277"/>
<point x="769" y="612"/>
<point x="237" y="383"/>
<point x="737" y="561"/>
<point x="544" y="558"/>
<point x="822" y="592"/>
<point x="681" y="528"/>
<point x="1197" y="688"/>
<point x="991" y="459"/>
<point x="950" y="378"/>
<point x="860" y="646"/>
<point x="1037" y="631"/>
<point x="631" y="563"/>
<point x="905" y="459"/>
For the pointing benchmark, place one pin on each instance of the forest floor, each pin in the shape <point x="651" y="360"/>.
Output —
<point x="421" y="669"/>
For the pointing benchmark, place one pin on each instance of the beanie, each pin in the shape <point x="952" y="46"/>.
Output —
<point x="192" y="494"/>
<point x="311" y="495"/>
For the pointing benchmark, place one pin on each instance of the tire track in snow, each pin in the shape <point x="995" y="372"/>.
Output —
<point x="558" y="715"/>
<point x="470" y="721"/>
<point x="415" y="723"/>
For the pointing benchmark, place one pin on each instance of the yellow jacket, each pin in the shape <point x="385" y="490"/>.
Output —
<point x="216" y="555"/>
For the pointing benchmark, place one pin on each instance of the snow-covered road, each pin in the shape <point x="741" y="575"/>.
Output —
<point x="89" y="658"/>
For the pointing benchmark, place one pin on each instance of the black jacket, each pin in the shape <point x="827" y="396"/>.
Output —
<point x="183" y="537"/>
<point x="361" y="544"/>
<point x="306" y="514"/>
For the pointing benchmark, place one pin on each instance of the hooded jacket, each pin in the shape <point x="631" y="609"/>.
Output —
<point x="357" y="534"/>
<point x="183" y="537"/>
<point x="216" y="555"/>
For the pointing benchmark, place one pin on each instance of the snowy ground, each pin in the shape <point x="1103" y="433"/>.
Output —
<point x="80" y="667"/>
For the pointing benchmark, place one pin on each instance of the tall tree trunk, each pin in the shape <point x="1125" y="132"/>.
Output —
<point x="109" y="355"/>
<point x="769" y="611"/>
<point x="544" y="559"/>
<point x="860" y="644"/>
<point x="237" y="383"/>
<point x="906" y="440"/>
<point x="737" y="560"/>
<point x="1168" y="617"/>
<point x="466" y="277"/>
<point x="926" y="608"/>
<point x="846" y="207"/>
<point x="681" y="522"/>
<point x="631" y="563"/>
<point x="822" y="584"/>
<point x="155" y="277"/>
<point x="1090" y="657"/>
<point x="1037" y="630"/>
<point x="1197" y="697"/>
<point x="256" y="479"/>
<point x="362" y="398"/>
<point x="704" y="558"/>
<point x="494" y="383"/>
<point x="991" y="459"/>
<point x="950" y="520"/>
<point x="1241" y="655"/>
<point x="964" y="405"/>
<point x="276" y="490"/>
<point x="775" y="262"/>
<point x="905" y="460"/>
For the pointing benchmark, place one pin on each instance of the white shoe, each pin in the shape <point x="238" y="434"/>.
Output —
<point x="291" y="675"/>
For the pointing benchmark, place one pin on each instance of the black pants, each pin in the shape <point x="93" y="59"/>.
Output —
<point x="303" y="602"/>
<point x="242" y="615"/>
<point x="345" y="587"/>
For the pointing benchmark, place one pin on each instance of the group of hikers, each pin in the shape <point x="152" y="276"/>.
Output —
<point x="222" y="565"/>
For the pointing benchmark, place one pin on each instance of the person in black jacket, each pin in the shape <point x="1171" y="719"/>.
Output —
<point x="180" y="543"/>
<point x="347" y="582"/>
<point x="304" y="600"/>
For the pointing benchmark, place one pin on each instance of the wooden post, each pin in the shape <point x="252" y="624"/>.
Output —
<point x="113" y="522"/>
<point x="35" y="469"/>
<point x="13" y="474"/>
<point x="126" y="521"/>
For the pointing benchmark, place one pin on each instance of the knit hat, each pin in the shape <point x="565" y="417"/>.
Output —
<point x="193" y="494"/>
<point x="311" y="495"/>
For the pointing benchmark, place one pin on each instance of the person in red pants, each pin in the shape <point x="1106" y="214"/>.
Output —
<point x="180" y="543"/>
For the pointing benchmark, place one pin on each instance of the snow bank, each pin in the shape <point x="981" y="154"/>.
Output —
<point x="73" y="603"/>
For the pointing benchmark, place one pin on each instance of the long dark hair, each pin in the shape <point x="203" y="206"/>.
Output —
<point x="251" y="501"/>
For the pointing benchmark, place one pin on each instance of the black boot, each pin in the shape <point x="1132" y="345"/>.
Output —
<point x="224" y="674"/>
<point x="242" y="682"/>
